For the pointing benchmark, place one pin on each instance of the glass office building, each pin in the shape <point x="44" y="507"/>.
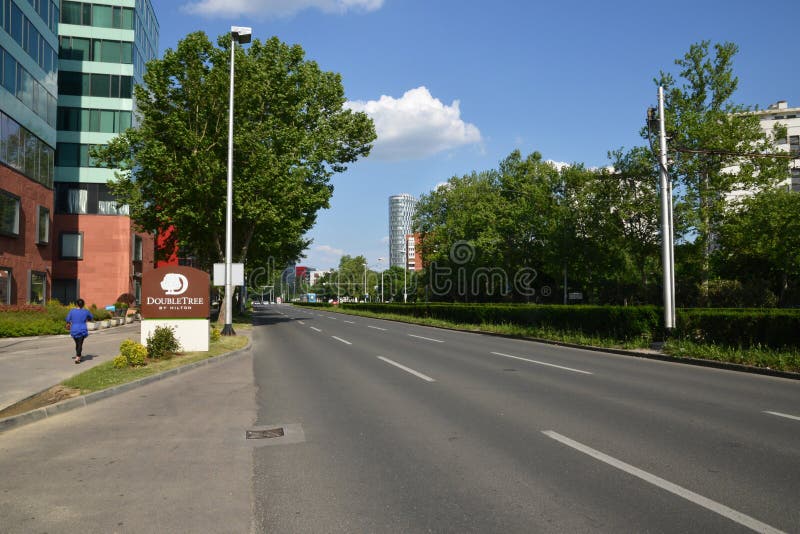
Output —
<point x="28" y="97"/>
<point x="103" y="46"/>
<point x="401" y="213"/>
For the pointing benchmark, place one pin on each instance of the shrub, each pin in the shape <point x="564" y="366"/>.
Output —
<point x="135" y="354"/>
<point x="162" y="343"/>
<point x="215" y="334"/>
<point x="120" y="362"/>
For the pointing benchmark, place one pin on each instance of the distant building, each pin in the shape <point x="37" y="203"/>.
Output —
<point x="401" y="213"/>
<point x="413" y="254"/>
<point x="780" y="113"/>
<point x="103" y="48"/>
<point x="28" y="100"/>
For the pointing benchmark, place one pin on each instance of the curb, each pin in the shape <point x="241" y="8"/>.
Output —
<point x="621" y="352"/>
<point x="16" y="421"/>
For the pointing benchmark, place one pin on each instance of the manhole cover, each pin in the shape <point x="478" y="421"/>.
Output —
<point x="265" y="434"/>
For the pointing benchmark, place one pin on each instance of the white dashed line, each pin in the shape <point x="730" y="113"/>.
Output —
<point x="542" y="363"/>
<point x="787" y="416"/>
<point x="350" y="322"/>
<point x="301" y="322"/>
<point x="315" y="329"/>
<point x="342" y="340"/>
<point x="407" y="369"/>
<point x="721" y="509"/>
<point x="427" y="338"/>
<point x="377" y="328"/>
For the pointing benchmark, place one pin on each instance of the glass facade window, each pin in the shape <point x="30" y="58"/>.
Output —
<point x="65" y="290"/>
<point x="137" y="248"/>
<point x="94" y="199"/>
<point x="27" y="36"/>
<point x="71" y="246"/>
<point x="9" y="214"/>
<point x="102" y="16"/>
<point x="42" y="225"/>
<point x="20" y="83"/>
<point x="5" y="285"/>
<point x="93" y="120"/>
<point x="75" y="155"/>
<point x="84" y="49"/>
<point x="37" y="287"/>
<point x="24" y="152"/>
<point x="102" y="85"/>
<point x="794" y="144"/>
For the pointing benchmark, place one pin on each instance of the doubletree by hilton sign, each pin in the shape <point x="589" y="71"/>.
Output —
<point x="175" y="292"/>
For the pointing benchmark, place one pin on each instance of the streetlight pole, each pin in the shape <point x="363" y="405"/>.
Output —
<point x="667" y="247"/>
<point x="382" y="270"/>
<point x="405" y="271"/>
<point x="242" y="35"/>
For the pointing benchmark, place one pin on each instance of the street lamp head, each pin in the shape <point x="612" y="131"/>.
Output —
<point x="241" y="34"/>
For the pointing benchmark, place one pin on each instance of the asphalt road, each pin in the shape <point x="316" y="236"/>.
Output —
<point x="400" y="428"/>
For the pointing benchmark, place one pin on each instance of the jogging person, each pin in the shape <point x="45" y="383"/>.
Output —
<point x="76" y="322"/>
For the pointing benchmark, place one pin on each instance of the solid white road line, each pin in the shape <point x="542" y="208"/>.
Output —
<point x="377" y="328"/>
<point x="787" y="416"/>
<point x="427" y="338"/>
<point x="407" y="369"/>
<point x="342" y="340"/>
<point x="542" y="363"/>
<point x="315" y="329"/>
<point x="721" y="509"/>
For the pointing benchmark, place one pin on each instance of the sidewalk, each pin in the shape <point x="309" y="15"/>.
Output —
<point x="33" y="364"/>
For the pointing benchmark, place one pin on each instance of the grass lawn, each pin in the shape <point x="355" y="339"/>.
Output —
<point x="105" y="375"/>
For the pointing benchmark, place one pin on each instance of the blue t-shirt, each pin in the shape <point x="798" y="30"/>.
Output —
<point x="77" y="317"/>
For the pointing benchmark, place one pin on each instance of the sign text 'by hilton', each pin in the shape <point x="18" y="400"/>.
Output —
<point x="175" y="292"/>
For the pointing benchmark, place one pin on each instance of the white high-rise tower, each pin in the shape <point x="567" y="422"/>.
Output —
<point x="401" y="212"/>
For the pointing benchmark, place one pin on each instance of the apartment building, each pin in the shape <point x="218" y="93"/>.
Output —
<point x="28" y="96"/>
<point x="781" y="113"/>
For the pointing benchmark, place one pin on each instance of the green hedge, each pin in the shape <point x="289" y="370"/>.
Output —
<point x="775" y="328"/>
<point x="30" y="320"/>
<point x="617" y="322"/>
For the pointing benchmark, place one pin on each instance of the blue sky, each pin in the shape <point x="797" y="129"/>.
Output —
<point x="456" y="85"/>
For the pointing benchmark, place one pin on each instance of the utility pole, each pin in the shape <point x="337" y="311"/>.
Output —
<point x="667" y="246"/>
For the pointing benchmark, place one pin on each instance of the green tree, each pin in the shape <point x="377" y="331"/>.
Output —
<point x="291" y="135"/>
<point x="710" y="137"/>
<point x="761" y="241"/>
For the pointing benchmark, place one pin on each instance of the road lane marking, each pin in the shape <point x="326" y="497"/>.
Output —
<point x="407" y="369"/>
<point x="342" y="340"/>
<point x="377" y="328"/>
<point x="315" y="329"/>
<point x="543" y="363"/>
<point x="331" y="318"/>
<point x="350" y="322"/>
<point x="721" y="509"/>
<point x="786" y="415"/>
<point x="301" y="322"/>
<point x="427" y="338"/>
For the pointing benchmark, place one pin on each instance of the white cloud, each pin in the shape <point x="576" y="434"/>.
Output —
<point x="328" y="250"/>
<point x="274" y="8"/>
<point x="417" y="125"/>
<point x="558" y="164"/>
